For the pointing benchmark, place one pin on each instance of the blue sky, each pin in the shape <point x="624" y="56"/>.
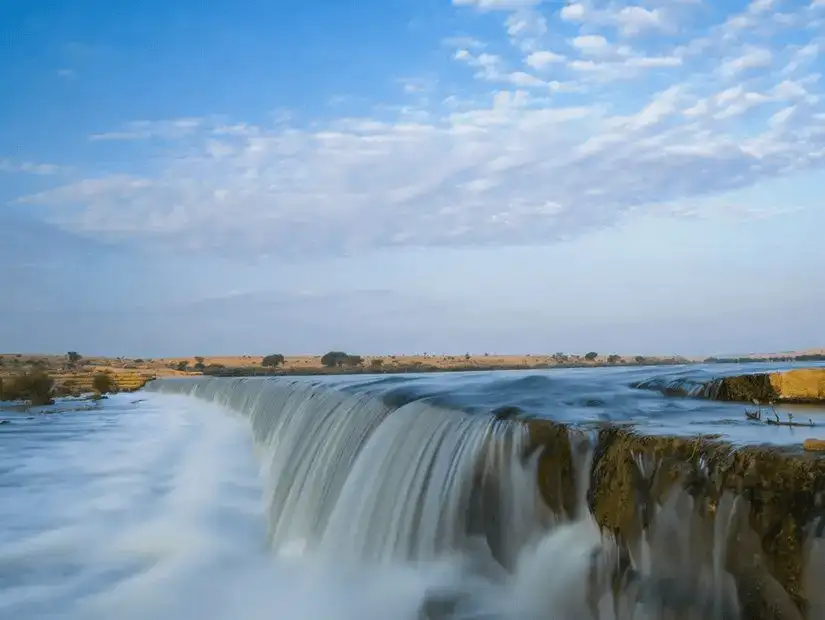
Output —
<point x="405" y="176"/>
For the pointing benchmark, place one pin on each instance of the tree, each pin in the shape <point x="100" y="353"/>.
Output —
<point x="640" y="359"/>
<point x="103" y="383"/>
<point x="376" y="363"/>
<point x="592" y="355"/>
<point x="613" y="359"/>
<point x="199" y="365"/>
<point x="354" y="360"/>
<point x="183" y="365"/>
<point x="334" y="359"/>
<point x="272" y="361"/>
<point x="74" y="357"/>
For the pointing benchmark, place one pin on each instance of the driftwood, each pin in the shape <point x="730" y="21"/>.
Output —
<point x="756" y="416"/>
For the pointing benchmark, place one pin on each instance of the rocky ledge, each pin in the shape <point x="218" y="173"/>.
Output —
<point x="702" y="506"/>
<point x="799" y="386"/>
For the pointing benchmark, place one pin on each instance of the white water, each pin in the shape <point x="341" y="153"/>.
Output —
<point x="157" y="513"/>
<point x="161" y="510"/>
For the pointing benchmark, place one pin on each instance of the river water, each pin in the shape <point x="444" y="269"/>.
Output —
<point x="328" y="498"/>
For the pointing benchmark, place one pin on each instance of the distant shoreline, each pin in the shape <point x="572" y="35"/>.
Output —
<point x="251" y="371"/>
<point x="40" y="378"/>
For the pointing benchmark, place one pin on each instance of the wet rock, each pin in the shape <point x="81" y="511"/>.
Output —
<point x="799" y="386"/>
<point x="774" y="492"/>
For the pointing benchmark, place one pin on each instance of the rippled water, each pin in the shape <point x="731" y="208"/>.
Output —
<point x="589" y="396"/>
<point x="152" y="505"/>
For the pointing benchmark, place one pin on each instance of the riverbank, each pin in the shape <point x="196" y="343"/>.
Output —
<point x="40" y="378"/>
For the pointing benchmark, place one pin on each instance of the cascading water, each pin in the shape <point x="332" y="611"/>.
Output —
<point x="352" y="478"/>
<point x="349" y="475"/>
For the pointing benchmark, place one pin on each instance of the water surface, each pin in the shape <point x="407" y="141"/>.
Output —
<point x="302" y="503"/>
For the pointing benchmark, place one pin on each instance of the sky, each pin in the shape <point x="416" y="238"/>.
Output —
<point x="208" y="177"/>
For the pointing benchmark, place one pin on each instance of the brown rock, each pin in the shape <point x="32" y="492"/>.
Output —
<point x="814" y="445"/>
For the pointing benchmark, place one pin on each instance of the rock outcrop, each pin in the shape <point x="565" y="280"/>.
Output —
<point x="758" y="507"/>
<point x="799" y="386"/>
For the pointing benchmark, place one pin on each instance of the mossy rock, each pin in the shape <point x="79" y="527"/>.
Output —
<point x="746" y="388"/>
<point x="783" y="491"/>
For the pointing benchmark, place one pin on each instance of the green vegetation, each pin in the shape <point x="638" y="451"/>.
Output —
<point x="614" y="359"/>
<point x="74" y="357"/>
<point x="338" y="359"/>
<point x="104" y="383"/>
<point x="273" y="361"/>
<point x="591" y="356"/>
<point x="807" y="357"/>
<point x="34" y="386"/>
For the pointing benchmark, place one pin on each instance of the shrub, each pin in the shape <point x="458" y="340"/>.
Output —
<point x="35" y="387"/>
<point x="103" y="383"/>
<point x="376" y="363"/>
<point x="273" y="361"/>
<point x="592" y="355"/>
<point x="334" y="359"/>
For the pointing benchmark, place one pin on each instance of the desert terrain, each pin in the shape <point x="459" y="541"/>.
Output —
<point x="73" y="374"/>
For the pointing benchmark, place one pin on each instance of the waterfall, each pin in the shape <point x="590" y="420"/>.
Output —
<point x="348" y="474"/>
<point x="354" y="477"/>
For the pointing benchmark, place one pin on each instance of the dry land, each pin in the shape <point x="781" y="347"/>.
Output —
<point x="39" y="377"/>
<point x="73" y="375"/>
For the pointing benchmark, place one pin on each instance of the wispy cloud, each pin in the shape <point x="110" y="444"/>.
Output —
<point x="549" y="134"/>
<point x="27" y="167"/>
<point x="141" y="130"/>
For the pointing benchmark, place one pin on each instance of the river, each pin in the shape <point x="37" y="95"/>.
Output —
<point x="328" y="498"/>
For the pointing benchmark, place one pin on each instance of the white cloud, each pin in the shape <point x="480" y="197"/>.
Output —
<point x="497" y="5"/>
<point x="27" y="167"/>
<point x="629" y="20"/>
<point x="753" y="57"/>
<point x="541" y="59"/>
<point x="526" y="24"/>
<point x="141" y="130"/>
<point x="573" y="12"/>
<point x="526" y="145"/>
<point x="654" y="61"/>
<point x="633" y="20"/>
<point x="520" y="78"/>
<point x="591" y="43"/>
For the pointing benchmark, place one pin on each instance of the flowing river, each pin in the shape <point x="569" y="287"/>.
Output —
<point x="350" y="498"/>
